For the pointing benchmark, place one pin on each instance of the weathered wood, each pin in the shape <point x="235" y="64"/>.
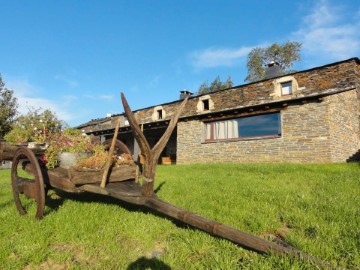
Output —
<point x="151" y="155"/>
<point x="32" y="188"/>
<point x="58" y="178"/>
<point x="119" y="145"/>
<point x="7" y="151"/>
<point x="27" y="186"/>
<point x="87" y="176"/>
<point x="94" y="189"/>
<point x="128" y="191"/>
<point x="241" y="238"/>
<point x="110" y="154"/>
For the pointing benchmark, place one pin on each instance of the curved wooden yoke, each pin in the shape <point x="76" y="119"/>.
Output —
<point x="151" y="155"/>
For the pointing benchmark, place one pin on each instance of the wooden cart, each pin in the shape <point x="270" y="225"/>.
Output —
<point x="122" y="184"/>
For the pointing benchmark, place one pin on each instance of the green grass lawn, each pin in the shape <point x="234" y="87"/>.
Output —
<point x="315" y="208"/>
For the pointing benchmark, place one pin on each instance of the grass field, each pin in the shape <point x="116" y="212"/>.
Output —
<point x="315" y="208"/>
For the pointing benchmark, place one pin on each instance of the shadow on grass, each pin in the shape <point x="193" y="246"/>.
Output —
<point x="54" y="204"/>
<point x="5" y="204"/>
<point x="145" y="263"/>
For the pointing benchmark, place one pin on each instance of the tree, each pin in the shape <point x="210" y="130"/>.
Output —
<point x="284" y="55"/>
<point x="36" y="125"/>
<point x="8" y="108"/>
<point x="216" y="85"/>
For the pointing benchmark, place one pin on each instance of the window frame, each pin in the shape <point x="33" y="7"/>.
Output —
<point x="158" y="113"/>
<point x="285" y="85"/>
<point x="200" y="104"/>
<point x="211" y="124"/>
<point x="278" y="94"/>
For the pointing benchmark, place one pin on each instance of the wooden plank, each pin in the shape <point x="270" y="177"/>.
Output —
<point x="128" y="191"/>
<point x="58" y="178"/>
<point x="86" y="176"/>
<point x="55" y="178"/>
<point x="7" y="151"/>
<point x="94" y="189"/>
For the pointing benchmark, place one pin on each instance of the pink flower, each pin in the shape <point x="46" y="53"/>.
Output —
<point x="43" y="159"/>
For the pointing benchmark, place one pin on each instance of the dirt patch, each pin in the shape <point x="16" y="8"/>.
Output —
<point x="49" y="264"/>
<point x="157" y="251"/>
<point x="78" y="253"/>
<point x="278" y="236"/>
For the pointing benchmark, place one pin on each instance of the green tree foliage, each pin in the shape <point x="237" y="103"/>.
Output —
<point x="8" y="108"/>
<point x="216" y="85"/>
<point x="284" y="54"/>
<point x="36" y="125"/>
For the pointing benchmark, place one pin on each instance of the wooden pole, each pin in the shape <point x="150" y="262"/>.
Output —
<point x="111" y="152"/>
<point x="241" y="238"/>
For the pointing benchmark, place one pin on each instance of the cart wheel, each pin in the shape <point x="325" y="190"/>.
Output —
<point x="120" y="147"/>
<point x="24" y="165"/>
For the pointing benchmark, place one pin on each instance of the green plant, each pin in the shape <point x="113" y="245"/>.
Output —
<point x="70" y="140"/>
<point x="36" y="126"/>
<point x="18" y="135"/>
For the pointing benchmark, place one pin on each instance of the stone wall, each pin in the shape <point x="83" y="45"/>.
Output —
<point x="344" y="112"/>
<point x="305" y="138"/>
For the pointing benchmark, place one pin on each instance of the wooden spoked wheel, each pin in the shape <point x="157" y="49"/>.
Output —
<point x="27" y="182"/>
<point x="120" y="147"/>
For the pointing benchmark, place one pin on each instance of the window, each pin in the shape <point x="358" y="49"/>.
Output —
<point x="258" y="126"/>
<point x="286" y="88"/>
<point x="206" y="106"/>
<point x="159" y="114"/>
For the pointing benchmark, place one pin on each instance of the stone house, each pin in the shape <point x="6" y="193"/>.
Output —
<point x="311" y="116"/>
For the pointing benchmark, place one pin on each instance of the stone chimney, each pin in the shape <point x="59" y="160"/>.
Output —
<point x="185" y="93"/>
<point x="272" y="70"/>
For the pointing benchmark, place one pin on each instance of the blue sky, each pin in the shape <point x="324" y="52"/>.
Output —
<point x="75" y="57"/>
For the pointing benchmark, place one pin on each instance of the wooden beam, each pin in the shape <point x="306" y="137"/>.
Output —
<point x="110" y="154"/>
<point x="244" y="239"/>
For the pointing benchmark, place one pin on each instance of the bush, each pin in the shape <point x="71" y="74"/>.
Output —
<point x="18" y="135"/>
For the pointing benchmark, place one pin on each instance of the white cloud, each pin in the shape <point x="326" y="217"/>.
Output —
<point x="106" y="97"/>
<point x="215" y="57"/>
<point x="89" y="96"/>
<point x="24" y="92"/>
<point x="322" y="15"/>
<point x="328" y="33"/>
<point x="324" y="34"/>
<point x="66" y="79"/>
<point x="68" y="99"/>
<point x="96" y="97"/>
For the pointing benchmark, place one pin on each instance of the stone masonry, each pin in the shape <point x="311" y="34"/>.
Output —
<point x="320" y="120"/>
